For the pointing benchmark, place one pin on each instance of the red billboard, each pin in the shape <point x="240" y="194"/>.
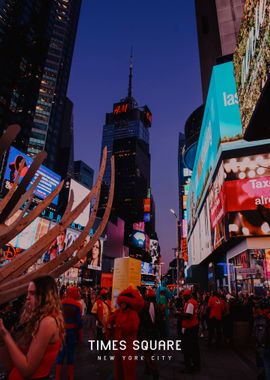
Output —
<point x="247" y="194"/>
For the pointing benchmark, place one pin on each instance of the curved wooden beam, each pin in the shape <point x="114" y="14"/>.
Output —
<point x="11" y="294"/>
<point x="23" y="261"/>
<point x="84" y="250"/>
<point x="8" y="295"/>
<point x="11" y="191"/>
<point x="26" y="196"/>
<point x="6" y="139"/>
<point x="9" y="234"/>
<point x="40" y="157"/>
<point x="59" y="259"/>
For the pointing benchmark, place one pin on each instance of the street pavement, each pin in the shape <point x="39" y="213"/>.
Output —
<point x="217" y="364"/>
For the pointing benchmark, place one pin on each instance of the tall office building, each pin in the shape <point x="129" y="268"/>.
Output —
<point x="126" y="134"/>
<point x="218" y="23"/>
<point x="25" y="32"/>
<point x="51" y="106"/>
<point x="38" y="40"/>
<point x="83" y="173"/>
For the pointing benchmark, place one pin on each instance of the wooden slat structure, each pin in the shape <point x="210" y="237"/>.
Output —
<point x="14" y="277"/>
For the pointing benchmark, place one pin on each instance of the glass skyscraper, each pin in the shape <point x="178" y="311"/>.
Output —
<point x="36" y="40"/>
<point x="126" y="134"/>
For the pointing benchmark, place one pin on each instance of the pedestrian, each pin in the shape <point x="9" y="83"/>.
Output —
<point x="33" y="345"/>
<point x="216" y="309"/>
<point x="190" y="331"/>
<point x="124" y="325"/>
<point x="150" y="322"/>
<point x="72" y="310"/>
<point x="102" y="310"/>
<point x="262" y="336"/>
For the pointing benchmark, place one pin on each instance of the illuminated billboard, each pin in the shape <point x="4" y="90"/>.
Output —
<point x="48" y="183"/>
<point x="94" y="257"/>
<point x="252" y="58"/>
<point x="80" y="192"/>
<point x="138" y="239"/>
<point x="221" y="124"/>
<point x="146" y="268"/>
<point x="231" y="207"/>
<point x="154" y="250"/>
<point x="247" y="186"/>
<point x="31" y="233"/>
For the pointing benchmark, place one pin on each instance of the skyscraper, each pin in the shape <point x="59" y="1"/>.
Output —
<point x="25" y="31"/>
<point x="83" y="173"/>
<point x="51" y="105"/>
<point x="38" y="40"/>
<point x="126" y="134"/>
<point x="218" y="23"/>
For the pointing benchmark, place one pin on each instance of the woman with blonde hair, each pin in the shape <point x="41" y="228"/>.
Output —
<point x="33" y="346"/>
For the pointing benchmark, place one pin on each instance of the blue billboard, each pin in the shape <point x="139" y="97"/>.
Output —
<point x="50" y="180"/>
<point x="221" y="125"/>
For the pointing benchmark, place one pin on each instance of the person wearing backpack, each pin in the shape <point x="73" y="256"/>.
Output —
<point x="262" y="336"/>
<point x="101" y="310"/>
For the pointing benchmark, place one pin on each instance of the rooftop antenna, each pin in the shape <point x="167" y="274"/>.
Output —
<point x="130" y="74"/>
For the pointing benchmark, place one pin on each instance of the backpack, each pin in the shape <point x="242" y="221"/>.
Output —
<point x="262" y="331"/>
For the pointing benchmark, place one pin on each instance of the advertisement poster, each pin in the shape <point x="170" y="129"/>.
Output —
<point x="48" y="183"/>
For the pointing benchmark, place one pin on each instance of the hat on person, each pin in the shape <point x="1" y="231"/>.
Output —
<point x="103" y="292"/>
<point x="187" y="292"/>
<point x="73" y="292"/>
<point x="131" y="297"/>
<point x="150" y="293"/>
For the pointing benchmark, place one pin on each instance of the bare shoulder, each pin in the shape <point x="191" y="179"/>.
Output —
<point x="48" y="322"/>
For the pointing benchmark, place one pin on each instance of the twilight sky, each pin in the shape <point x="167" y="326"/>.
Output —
<point x="166" y="78"/>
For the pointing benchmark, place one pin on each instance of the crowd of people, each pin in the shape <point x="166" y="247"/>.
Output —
<point x="52" y="320"/>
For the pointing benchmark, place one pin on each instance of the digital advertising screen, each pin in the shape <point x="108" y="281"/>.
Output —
<point x="221" y="125"/>
<point x="247" y="186"/>
<point x="80" y="192"/>
<point x="94" y="257"/>
<point x="50" y="180"/>
<point x="138" y="239"/>
<point x="147" y="268"/>
<point x="251" y="58"/>
<point x="154" y="250"/>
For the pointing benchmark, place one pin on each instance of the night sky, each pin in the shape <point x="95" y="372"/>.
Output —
<point x="166" y="78"/>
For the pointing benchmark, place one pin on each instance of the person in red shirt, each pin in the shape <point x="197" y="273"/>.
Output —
<point x="190" y="330"/>
<point x="216" y="309"/>
<point x="124" y="325"/>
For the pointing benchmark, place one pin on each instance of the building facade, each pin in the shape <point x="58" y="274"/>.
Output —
<point x="126" y="135"/>
<point x="38" y="40"/>
<point x="218" y="24"/>
<point x="83" y="173"/>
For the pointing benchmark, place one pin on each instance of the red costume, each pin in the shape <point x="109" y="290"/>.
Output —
<point x="125" y="322"/>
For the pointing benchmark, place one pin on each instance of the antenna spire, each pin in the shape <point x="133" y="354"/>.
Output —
<point x="130" y="74"/>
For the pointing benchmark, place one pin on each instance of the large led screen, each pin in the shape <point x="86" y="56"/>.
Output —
<point x="48" y="183"/>
<point x="252" y="58"/>
<point x="247" y="186"/>
<point x="221" y="125"/>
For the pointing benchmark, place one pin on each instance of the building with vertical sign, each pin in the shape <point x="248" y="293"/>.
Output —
<point x="126" y="134"/>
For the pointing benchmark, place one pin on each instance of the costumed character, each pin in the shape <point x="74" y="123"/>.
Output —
<point x="72" y="311"/>
<point x="124" y="323"/>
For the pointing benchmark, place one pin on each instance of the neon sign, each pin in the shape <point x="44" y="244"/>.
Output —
<point x="120" y="108"/>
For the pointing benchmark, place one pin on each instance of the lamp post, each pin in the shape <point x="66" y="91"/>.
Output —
<point x="177" y="250"/>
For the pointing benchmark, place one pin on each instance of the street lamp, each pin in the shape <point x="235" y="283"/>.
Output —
<point x="177" y="250"/>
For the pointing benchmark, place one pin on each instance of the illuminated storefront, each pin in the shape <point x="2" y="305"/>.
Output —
<point x="231" y="178"/>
